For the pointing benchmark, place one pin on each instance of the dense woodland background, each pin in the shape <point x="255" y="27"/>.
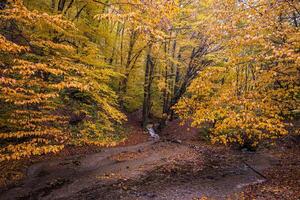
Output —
<point x="70" y="70"/>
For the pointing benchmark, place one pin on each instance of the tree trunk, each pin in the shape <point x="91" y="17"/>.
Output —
<point x="79" y="12"/>
<point x="69" y="6"/>
<point x="174" y="72"/>
<point x="149" y="71"/>
<point x="53" y="5"/>
<point x="119" y="33"/>
<point x="166" y="92"/>
<point x="191" y="73"/>
<point x="122" y="43"/>
<point x="127" y="68"/>
<point x="61" y="5"/>
<point x="295" y="19"/>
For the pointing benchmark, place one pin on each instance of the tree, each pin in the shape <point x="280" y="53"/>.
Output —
<point x="254" y="86"/>
<point x="45" y="71"/>
<point x="188" y="53"/>
<point x="149" y="22"/>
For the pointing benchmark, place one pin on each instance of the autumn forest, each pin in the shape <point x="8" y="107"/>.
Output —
<point x="149" y="99"/>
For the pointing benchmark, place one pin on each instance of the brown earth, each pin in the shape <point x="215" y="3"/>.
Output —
<point x="179" y="166"/>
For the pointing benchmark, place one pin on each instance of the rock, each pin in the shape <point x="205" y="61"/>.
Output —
<point x="150" y="195"/>
<point x="177" y="141"/>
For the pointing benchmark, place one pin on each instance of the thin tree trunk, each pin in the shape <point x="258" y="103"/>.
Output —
<point x="122" y="44"/>
<point x="165" y="94"/>
<point x="79" y="12"/>
<point x="237" y="81"/>
<point x="69" y="6"/>
<point x="61" y="5"/>
<point x="119" y="29"/>
<point x="53" y="5"/>
<point x="127" y="68"/>
<point x="173" y="70"/>
<point x="149" y="71"/>
<point x="295" y="19"/>
<point x="246" y="78"/>
<point x="176" y="84"/>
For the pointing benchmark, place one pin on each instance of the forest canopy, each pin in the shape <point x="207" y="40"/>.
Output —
<point x="70" y="70"/>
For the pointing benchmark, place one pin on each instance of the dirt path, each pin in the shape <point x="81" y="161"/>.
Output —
<point x="151" y="170"/>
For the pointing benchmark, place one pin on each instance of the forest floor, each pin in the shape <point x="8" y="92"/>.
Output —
<point x="179" y="166"/>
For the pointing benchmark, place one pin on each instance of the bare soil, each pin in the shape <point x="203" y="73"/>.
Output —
<point x="179" y="166"/>
<point x="151" y="170"/>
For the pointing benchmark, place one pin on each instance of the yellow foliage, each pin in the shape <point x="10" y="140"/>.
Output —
<point x="35" y="71"/>
<point x="254" y="86"/>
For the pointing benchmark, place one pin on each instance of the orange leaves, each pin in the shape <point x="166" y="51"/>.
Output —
<point x="10" y="47"/>
<point x="62" y="71"/>
<point x="22" y="134"/>
<point x="36" y="146"/>
<point x="55" y="46"/>
<point x="18" y="12"/>
<point x="258" y="87"/>
<point x="149" y="18"/>
<point x="27" y="68"/>
<point x="27" y="123"/>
